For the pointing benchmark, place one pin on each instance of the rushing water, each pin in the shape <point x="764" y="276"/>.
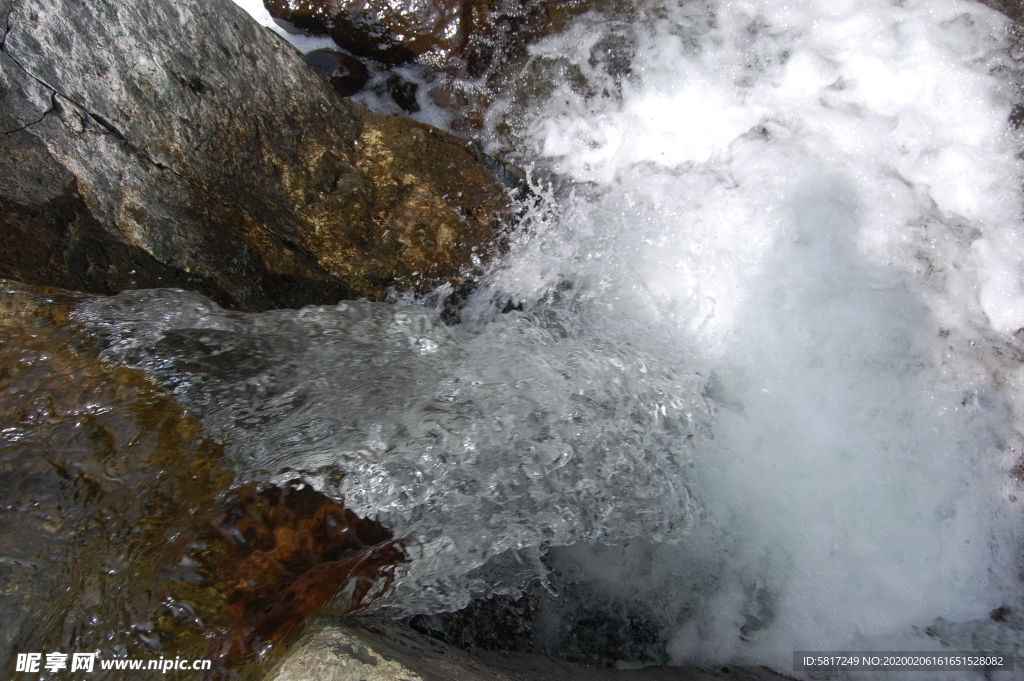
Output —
<point x="764" y="390"/>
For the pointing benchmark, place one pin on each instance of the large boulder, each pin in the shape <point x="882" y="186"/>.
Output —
<point x="177" y="143"/>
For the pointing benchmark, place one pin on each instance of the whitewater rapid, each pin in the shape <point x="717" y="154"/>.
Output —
<point x="765" y="386"/>
<point x="821" y="202"/>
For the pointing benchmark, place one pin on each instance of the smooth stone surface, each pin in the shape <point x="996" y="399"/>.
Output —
<point x="123" y="524"/>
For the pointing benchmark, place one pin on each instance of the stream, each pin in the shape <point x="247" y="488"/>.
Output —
<point x="748" y="379"/>
<point x="764" y="392"/>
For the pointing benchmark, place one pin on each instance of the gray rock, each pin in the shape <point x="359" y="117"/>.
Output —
<point x="177" y="143"/>
<point x="377" y="649"/>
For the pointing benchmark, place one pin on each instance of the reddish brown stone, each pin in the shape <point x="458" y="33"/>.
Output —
<point x="288" y="552"/>
<point x="114" y="524"/>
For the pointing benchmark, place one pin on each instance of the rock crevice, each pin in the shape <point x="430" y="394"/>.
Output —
<point x="54" y="94"/>
<point x="7" y="8"/>
<point x="28" y="125"/>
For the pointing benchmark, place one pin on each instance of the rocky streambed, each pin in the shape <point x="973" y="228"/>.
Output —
<point x="207" y="453"/>
<point x="179" y="144"/>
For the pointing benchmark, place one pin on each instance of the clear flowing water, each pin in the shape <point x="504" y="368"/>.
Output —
<point x="766" y="383"/>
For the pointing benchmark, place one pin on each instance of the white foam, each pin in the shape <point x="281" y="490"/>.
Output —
<point x="816" y="206"/>
<point x="375" y="95"/>
<point x="302" y="42"/>
<point x="820" y="201"/>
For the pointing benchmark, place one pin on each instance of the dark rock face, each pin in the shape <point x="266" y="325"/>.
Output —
<point x="177" y="143"/>
<point x="350" y="25"/>
<point x="345" y="73"/>
<point x="1011" y="8"/>
<point x="403" y="93"/>
<point x="376" y="30"/>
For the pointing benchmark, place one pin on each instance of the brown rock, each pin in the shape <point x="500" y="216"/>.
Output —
<point x="114" y="528"/>
<point x="102" y="476"/>
<point x="466" y="34"/>
<point x="397" y="154"/>
<point x="479" y="42"/>
<point x="391" y="34"/>
<point x="287" y="552"/>
<point x="183" y="145"/>
<point x="352" y="25"/>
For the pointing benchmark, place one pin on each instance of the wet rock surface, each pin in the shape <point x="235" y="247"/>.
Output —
<point x="464" y="35"/>
<point x="284" y="553"/>
<point x="600" y="631"/>
<point x="354" y="27"/>
<point x="378" y="649"/>
<point x="121" y="529"/>
<point x="93" y="460"/>
<point x="403" y="93"/>
<point x="345" y="73"/>
<point x="176" y="143"/>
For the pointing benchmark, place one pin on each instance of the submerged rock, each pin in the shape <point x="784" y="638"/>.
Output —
<point x="345" y="73"/>
<point x="283" y="554"/>
<point x="120" y="529"/>
<point x="175" y="143"/>
<point x="403" y="93"/>
<point x="361" y="30"/>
